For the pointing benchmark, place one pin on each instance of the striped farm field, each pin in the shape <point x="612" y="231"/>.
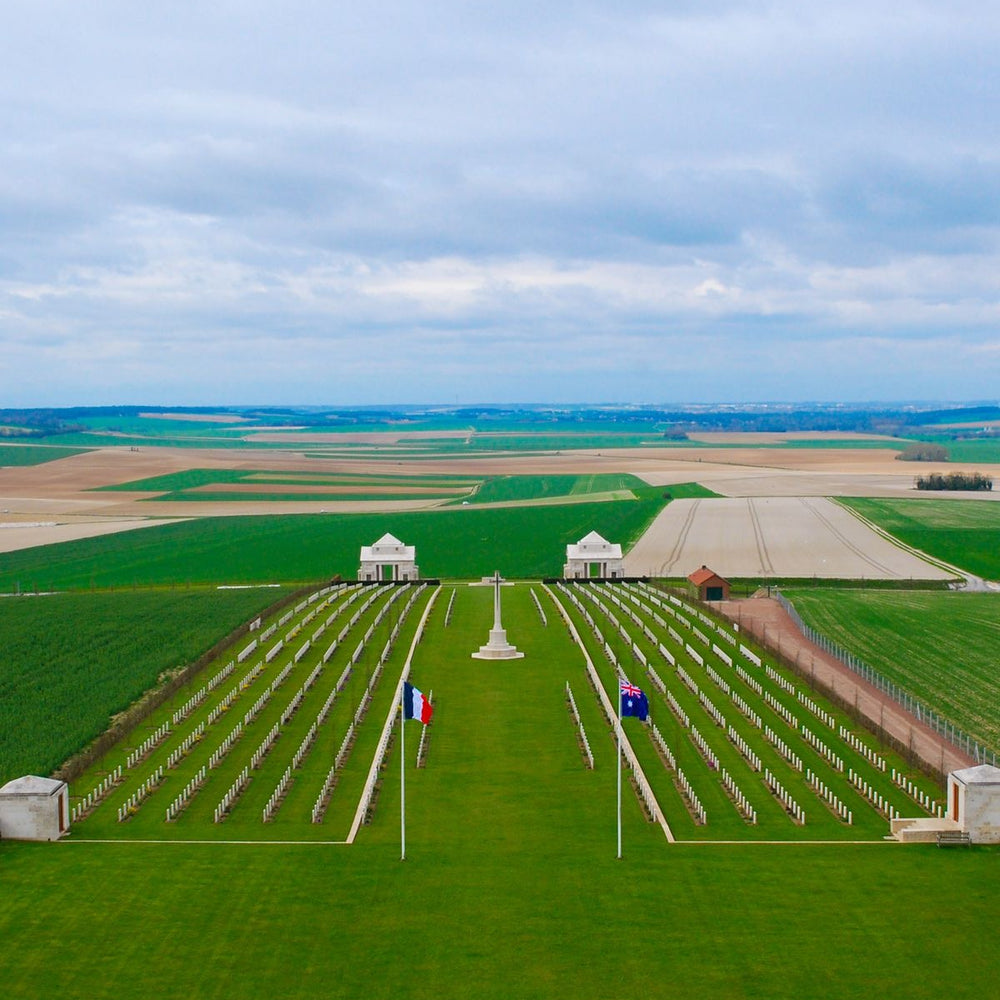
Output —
<point x="940" y="646"/>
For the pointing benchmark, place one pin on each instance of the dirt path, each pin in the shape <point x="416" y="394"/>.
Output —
<point x="769" y="623"/>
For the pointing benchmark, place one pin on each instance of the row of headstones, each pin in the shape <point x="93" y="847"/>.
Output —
<point x="232" y="794"/>
<point x="746" y="810"/>
<point x="276" y="796"/>
<point x="784" y="712"/>
<point x="94" y="796"/>
<point x="838" y="807"/>
<point x="872" y="795"/>
<point x="665" y="752"/>
<point x="816" y="710"/>
<point x="220" y="752"/>
<point x="178" y="805"/>
<point x="147" y="746"/>
<point x="538" y="605"/>
<point x="862" y="748"/>
<point x="133" y="802"/>
<point x="783" y="748"/>
<point x="447" y="611"/>
<point x="745" y="708"/>
<point x="189" y="741"/>
<point x="917" y="794"/>
<point x="720" y="682"/>
<point x="706" y="751"/>
<point x="717" y="717"/>
<point x="700" y="816"/>
<point x="781" y="794"/>
<point x="588" y="755"/>
<point x="817" y="744"/>
<point x="744" y="748"/>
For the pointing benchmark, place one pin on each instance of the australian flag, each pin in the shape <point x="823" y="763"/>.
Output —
<point x="633" y="701"/>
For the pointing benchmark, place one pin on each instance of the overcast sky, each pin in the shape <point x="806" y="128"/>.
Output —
<point x="332" y="203"/>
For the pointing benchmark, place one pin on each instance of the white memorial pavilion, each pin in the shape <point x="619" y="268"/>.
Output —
<point x="388" y="560"/>
<point x="593" y="557"/>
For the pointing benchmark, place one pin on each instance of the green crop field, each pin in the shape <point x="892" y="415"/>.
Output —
<point x="941" y="647"/>
<point x="454" y="543"/>
<point x="33" y="454"/>
<point x="71" y="661"/>
<point x="511" y="887"/>
<point x="964" y="533"/>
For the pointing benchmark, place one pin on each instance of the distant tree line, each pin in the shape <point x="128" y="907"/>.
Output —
<point x="954" y="481"/>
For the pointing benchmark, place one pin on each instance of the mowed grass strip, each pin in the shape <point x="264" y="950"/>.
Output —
<point x="490" y="920"/>
<point x="938" y="646"/>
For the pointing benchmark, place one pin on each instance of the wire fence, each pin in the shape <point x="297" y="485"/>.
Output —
<point x="979" y="753"/>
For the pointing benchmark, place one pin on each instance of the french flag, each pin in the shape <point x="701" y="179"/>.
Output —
<point x="415" y="704"/>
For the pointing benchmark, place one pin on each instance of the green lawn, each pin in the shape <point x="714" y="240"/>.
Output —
<point x="941" y="647"/>
<point x="965" y="533"/>
<point x="511" y="887"/>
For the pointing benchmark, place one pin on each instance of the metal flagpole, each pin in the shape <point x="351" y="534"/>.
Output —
<point x="619" y="763"/>
<point x="402" y="776"/>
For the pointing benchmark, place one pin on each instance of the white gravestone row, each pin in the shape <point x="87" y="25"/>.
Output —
<point x="131" y="805"/>
<point x="717" y="716"/>
<point x="817" y="710"/>
<point x="180" y="803"/>
<point x="744" y="748"/>
<point x="862" y="748"/>
<point x="917" y="794"/>
<point x="746" y="810"/>
<point x="147" y="746"/>
<point x="245" y="652"/>
<point x="665" y="752"/>
<point x="778" y="790"/>
<point x="781" y="710"/>
<point x="189" y="741"/>
<point x="706" y="751"/>
<point x="838" y="807"/>
<point x="697" y="809"/>
<point x="588" y="755"/>
<point x="783" y="748"/>
<point x="872" y="794"/>
<point x="96" y="794"/>
<point x="720" y="682"/>
<point x="221" y="676"/>
<point x="219" y="754"/>
<point x="538" y="605"/>
<point x="817" y="744"/>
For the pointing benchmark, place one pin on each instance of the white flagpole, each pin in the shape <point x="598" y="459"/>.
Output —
<point x="619" y="764"/>
<point x="402" y="776"/>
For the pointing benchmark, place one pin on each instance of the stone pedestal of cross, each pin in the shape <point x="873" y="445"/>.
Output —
<point x="497" y="648"/>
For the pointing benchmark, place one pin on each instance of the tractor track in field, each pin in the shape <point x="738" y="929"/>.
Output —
<point x="767" y="567"/>
<point x="682" y="535"/>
